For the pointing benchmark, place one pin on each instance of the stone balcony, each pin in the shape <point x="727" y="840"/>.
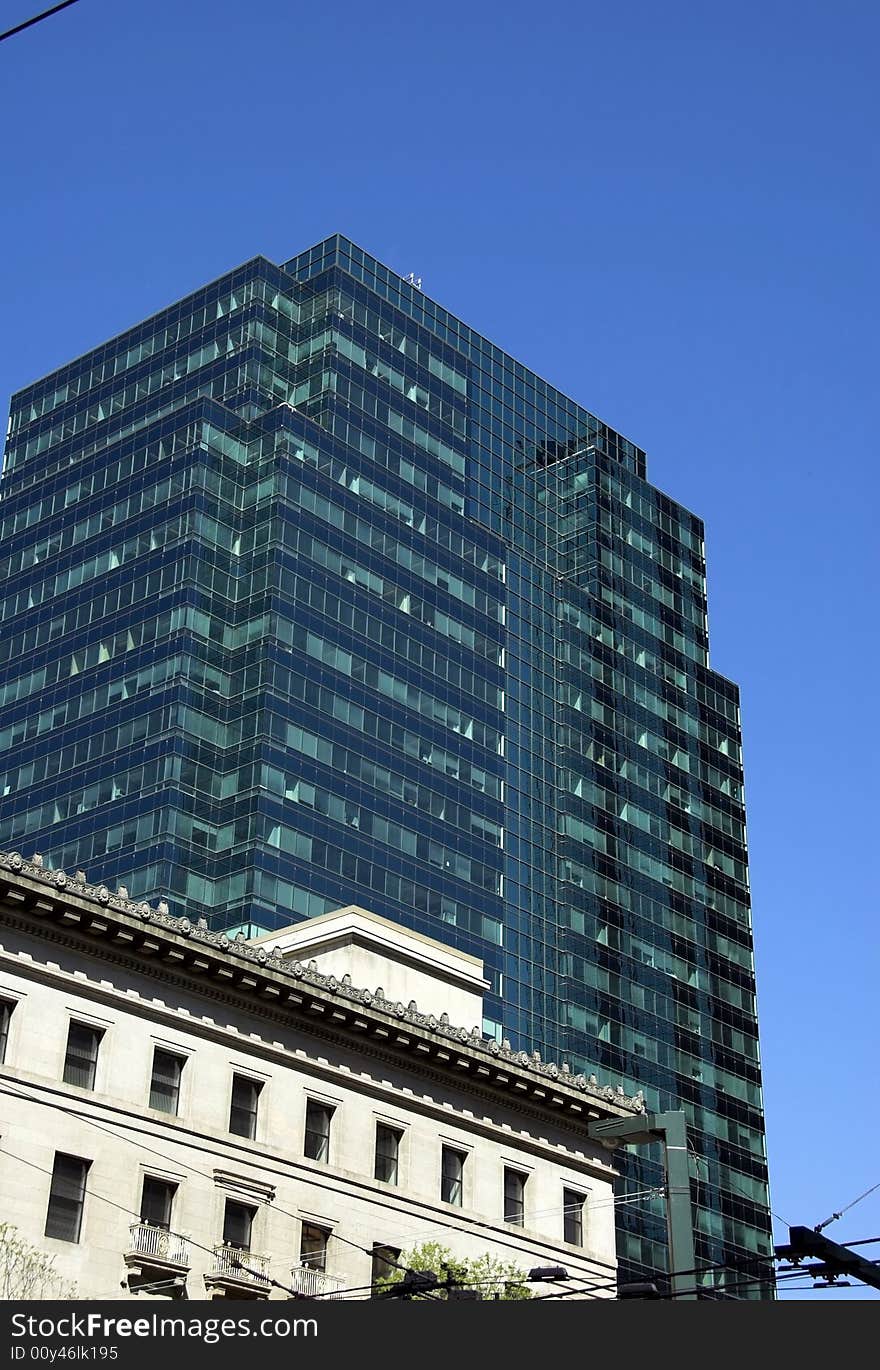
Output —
<point x="157" y="1260"/>
<point x="315" y="1284"/>
<point x="237" y="1274"/>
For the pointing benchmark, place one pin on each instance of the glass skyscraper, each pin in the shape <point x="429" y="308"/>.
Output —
<point x="310" y="595"/>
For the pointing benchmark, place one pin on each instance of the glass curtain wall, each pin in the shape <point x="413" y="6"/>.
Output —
<point x="312" y="596"/>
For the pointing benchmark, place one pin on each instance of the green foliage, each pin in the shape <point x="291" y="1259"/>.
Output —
<point x="26" y="1272"/>
<point x="487" y="1273"/>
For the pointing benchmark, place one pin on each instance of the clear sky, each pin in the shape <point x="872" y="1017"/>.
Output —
<point x="669" y="210"/>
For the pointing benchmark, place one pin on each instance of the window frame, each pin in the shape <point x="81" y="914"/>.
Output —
<point x="323" y="1148"/>
<point x="7" y="1008"/>
<point x="515" y="1205"/>
<point x="315" y="1259"/>
<point x="181" y="1061"/>
<point x="248" y="1115"/>
<point x="250" y="1210"/>
<point x="91" y="1060"/>
<point x="170" y="1187"/>
<point x="389" y="1157"/>
<point x="76" y="1201"/>
<point x="461" y="1157"/>
<point x="573" y="1205"/>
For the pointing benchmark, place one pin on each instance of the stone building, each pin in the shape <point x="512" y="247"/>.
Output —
<point x="185" y="1115"/>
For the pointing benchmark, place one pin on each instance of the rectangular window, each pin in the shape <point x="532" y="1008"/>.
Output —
<point x="238" y="1221"/>
<point x="165" y="1081"/>
<point x="452" y="1176"/>
<point x="6" y="1007"/>
<point x="385" y="1260"/>
<point x="387" y="1152"/>
<point x="157" y="1200"/>
<point x="243" y="1109"/>
<point x="514" y="1196"/>
<point x="317" y="1139"/>
<point x="573" y="1217"/>
<point x="81" y="1058"/>
<point x="313" y="1246"/>
<point x="67" y="1194"/>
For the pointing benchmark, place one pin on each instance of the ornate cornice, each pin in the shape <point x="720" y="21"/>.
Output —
<point x="152" y="933"/>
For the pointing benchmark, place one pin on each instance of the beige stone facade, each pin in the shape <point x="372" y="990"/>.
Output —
<point x="195" y="1089"/>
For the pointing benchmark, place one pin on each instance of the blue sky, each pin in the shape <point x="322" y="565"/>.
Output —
<point x="668" y="210"/>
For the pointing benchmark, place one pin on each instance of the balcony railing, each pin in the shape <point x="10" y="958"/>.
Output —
<point x="231" y="1263"/>
<point x="157" y="1243"/>
<point x="315" y="1284"/>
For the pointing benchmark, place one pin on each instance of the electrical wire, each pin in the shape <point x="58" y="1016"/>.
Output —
<point x="29" y="23"/>
<point x="585" y="1288"/>
<point x="728" y="1289"/>
<point x="705" y="1269"/>
<point x="736" y="1265"/>
<point x="140" y="1289"/>
<point x="488" y="1280"/>
<point x="605" y="1286"/>
<point x="793" y="1277"/>
<point x="698" y="1290"/>
<point x="174" y="1161"/>
<point x="464" y="1283"/>
<point x="600" y="1287"/>
<point x="635" y="1197"/>
<point x="786" y="1276"/>
<point x="162" y="1155"/>
<point x="632" y="1198"/>
<point x="129" y="1212"/>
<point x="413" y="1236"/>
<point x="343" y="1293"/>
<point x="589" y="1282"/>
<point x="834" y="1216"/>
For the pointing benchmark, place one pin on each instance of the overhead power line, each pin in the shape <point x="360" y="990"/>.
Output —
<point x="836" y="1260"/>
<point x="130" y="1212"/>
<point x="811" y="1239"/>
<point x="29" y="23"/>
<point x="194" y="1170"/>
<point x="834" y="1216"/>
<point x="14" y="1089"/>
